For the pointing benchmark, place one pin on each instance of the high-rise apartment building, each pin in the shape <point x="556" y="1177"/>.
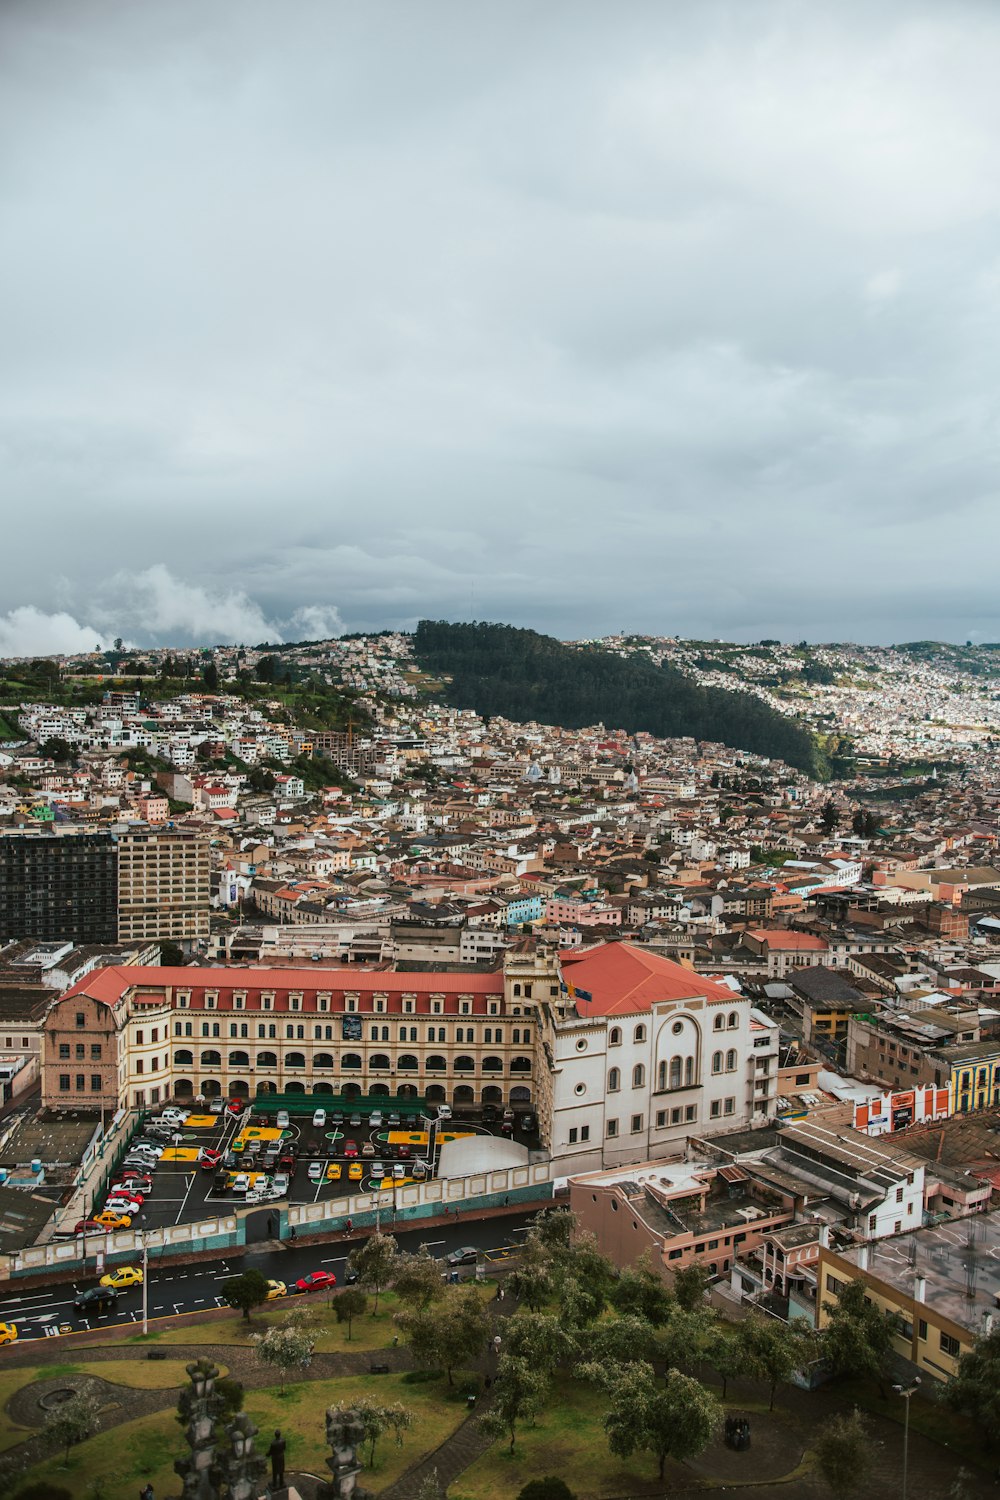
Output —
<point x="108" y="887"/>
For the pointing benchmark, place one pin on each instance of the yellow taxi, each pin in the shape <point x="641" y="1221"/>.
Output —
<point x="123" y="1277"/>
<point x="276" y="1289"/>
<point x="8" y="1333"/>
<point x="355" y="1171"/>
<point x="109" y="1220"/>
<point x="334" y="1171"/>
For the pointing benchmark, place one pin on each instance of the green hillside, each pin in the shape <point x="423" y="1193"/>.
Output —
<point x="498" y="669"/>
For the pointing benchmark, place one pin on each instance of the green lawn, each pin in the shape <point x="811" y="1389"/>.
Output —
<point x="127" y="1456"/>
<point x="932" y="1418"/>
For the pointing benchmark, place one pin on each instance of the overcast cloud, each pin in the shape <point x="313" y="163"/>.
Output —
<point x="661" y="316"/>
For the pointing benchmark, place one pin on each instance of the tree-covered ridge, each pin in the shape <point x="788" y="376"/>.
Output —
<point x="498" y="669"/>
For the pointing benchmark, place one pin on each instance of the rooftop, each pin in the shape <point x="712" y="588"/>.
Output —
<point x="957" y="1260"/>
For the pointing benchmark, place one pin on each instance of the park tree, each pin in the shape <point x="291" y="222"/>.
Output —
<point x="554" y="1229"/>
<point x="450" y="1332"/>
<point x="676" y="1419"/>
<point x="378" y="1419"/>
<point x="620" y="1341"/>
<point x="686" y="1336"/>
<point x="857" y="1339"/>
<point x="287" y="1346"/>
<point x="518" y="1394"/>
<point x="725" y="1355"/>
<point x="375" y="1260"/>
<point x="639" y="1292"/>
<point x="72" y="1422"/>
<point x="246" y="1291"/>
<point x="210" y="676"/>
<point x="975" y="1388"/>
<point x="532" y="1282"/>
<point x="418" y="1279"/>
<point x="540" y="1339"/>
<point x="771" y="1350"/>
<point x="170" y="955"/>
<point x="690" y="1285"/>
<point x="843" y="1448"/>
<point x="350" y="1304"/>
<point x="549" y="1487"/>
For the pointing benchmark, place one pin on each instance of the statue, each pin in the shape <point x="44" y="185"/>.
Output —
<point x="738" y="1433"/>
<point x="241" y="1468"/>
<point x="200" y="1472"/>
<point x="345" y="1432"/>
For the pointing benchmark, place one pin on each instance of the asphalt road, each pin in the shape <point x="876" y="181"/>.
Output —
<point x="174" y="1287"/>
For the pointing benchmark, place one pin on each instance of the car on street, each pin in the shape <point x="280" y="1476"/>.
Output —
<point x="241" y="1183"/>
<point x="279" y="1184"/>
<point x="97" y="1299"/>
<point x="8" y="1333"/>
<point x="209" y="1157"/>
<point x="316" y="1281"/>
<point x="377" y="1170"/>
<point x="350" y="1148"/>
<point x="355" y="1171"/>
<point x="375" y="1119"/>
<point x="114" y="1220"/>
<point x="282" y="1121"/>
<point x="368" y="1149"/>
<point x="319" y="1118"/>
<point x="276" y="1289"/>
<point x="317" y="1171"/>
<point x="89" y="1226"/>
<point x="334" y="1171"/>
<point x="466" y="1256"/>
<point x="123" y="1277"/>
<point x="216" y="1107"/>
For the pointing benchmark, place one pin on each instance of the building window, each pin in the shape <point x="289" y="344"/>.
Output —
<point x="730" y="1106"/>
<point x="64" y="1083"/>
<point x="614" y="1080"/>
<point x="872" y="1221"/>
<point x="64" y="1051"/>
<point x="716" y="1062"/>
<point x="734" y="1020"/>
<point x="716" y="1109"/>
<point x="585" y="1132"/>
<point x="899" y="1195"/>
<point x="636" y="1124"/>
<point x="691" y="1112"/>
<point x="661" y="1118"/>
<point x="922" y="1329"/>
<point x="81" y="1020"/>
<point x="81" y="1083"/>
<point x="731" y="1060"/>
<point x="638" y="1076"/>
<point x="640" y="1034"/>
<point x="615" y="1037"/>
<point x="950" y="1345"/>
<point x="95" y="1083"/>
<point x="719" y="1022"/>
<point x="573" y="1135"/>
<point x="612" y="1126"/>
<point x="139" y="1065"/>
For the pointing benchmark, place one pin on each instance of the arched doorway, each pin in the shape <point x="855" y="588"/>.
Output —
<point x="379" y="1091"/>
<point x="239" y="1089"/>
<point x="464" y="1094"/>
<point x="183" y="1088"/>
<point x="265" y="1087"/>
<point x="520" y="1094"/>
<point x="295" y="1087"/>
<point x="211" y="1088"/>
<point x="435" y="1091"/>
<point x="406" y="1091"/>
<point x="351" y="1090"/>
<point x="492" y="1094"/>
<point x="322" y="1088"/>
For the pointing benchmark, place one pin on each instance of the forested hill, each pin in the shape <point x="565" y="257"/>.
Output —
<point x="519" y="674"/>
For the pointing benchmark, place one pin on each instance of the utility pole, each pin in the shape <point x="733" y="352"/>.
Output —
<point x="906" y="1392"/>
<point x="145" y="1285"/>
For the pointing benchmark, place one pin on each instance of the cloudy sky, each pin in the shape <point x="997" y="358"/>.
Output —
<point x="670" y="317"/>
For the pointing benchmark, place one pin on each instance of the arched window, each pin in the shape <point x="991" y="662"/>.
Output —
<point x="464" y="1094"/>
<point x="492" y="1095"/>
<point x="465" y="1064"/>
<point x="295" y="1059"/>
<point x="615" y="1036"/>
<point x="719" y="1022"/>
<point x="731" y="1060"/>
<point x="517" y="989"/>
<point x="640" y="1033"/>
<point x="385" y="1034"/>
<point x="295" y="1087"/>
<point x="675" y="1072"/>
<point x="435" y="1064"/>
<point x="374" y="1033"/>
<point x="379" y="1062"/>
<point x="183" y="1059"/>
<point x="317" y="1033"/>
<point x="267" y="1060"/>
<point x="689" y="1071"/>
<point x="492" y="1064"/>
<point x="716" y="1062"/>
<point x="328" y="1034"/>
<point x="322" y="1088"/>
<point x="323" y="1060"/>
<point x="734" y="1019"/>
<point x="614" y="1080"/>
<point x="211" y="1059"/>
<point x="239" y="1060"/>
<point x="407" y="1063"/>
<point x="520" y="1094"/>
<point x="638" y="1076"/>
<point x="521" y="1065"/>
<point x="183" y="1088"/>
<point x="350" y="1060"/>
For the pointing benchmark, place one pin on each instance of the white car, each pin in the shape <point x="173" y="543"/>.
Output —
<point x="280" y="1184"/>
<point x="282" y="1120"/>
<point x="378" y="1170"/>
<point x="319" y="1118"/>
<point x="121" y="1206"/>
<point x="317" y="1171"/>
<point x="241" y="1183"/>
<point x="399" y="1170"/>
<point x="444" y="1111"/>
<point x="174" y="1116"/>
<point x="217" y="1106"/>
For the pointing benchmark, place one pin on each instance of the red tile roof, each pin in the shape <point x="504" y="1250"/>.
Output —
<point x="626" y="980"/>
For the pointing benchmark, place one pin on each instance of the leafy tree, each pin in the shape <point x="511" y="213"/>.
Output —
<point x="72" y="1422"/>
<point x="418" y="1279"/>
<point x="551" y="1487"/>
<point x="378" y="1419"/>
<point x="829" y="817"/>
<point x="286" y="1346"/>
<point x="975" y="1388"/>
<point x="857" y="1339"/>
<point x="553" y="1230"/>
<point x="771" y="1350"/>
<point x="449" y="1332"/>
<point x="725" y="1355"/>
<point x="261" y="779"/>
<point x="686" y="1336"/>
<point x="621" y="1341"/>
<point x="677" y="1419"/>
<point x="210" y="676"/>
<point x="57" y="749"/>
<point x="844" y="1452"/>
<point x="519" y="1392"/>
<point x="375" y="1261"/>
<point x="171" y="956"/>
<point x="246" y="1291"/>
<point x="690" y="1285"/>
<point x="532" y="1282"/>
<point x="641" y="1293"/>
<point x="540" y="1339"/>
<point x="350" y="1304"/>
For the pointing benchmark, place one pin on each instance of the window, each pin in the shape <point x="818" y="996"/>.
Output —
<point x="612" y="1126"/>
<point x="899" y="1195"/>
<point x="139" y="1065"/>
<point x="350" y="1060"/>
<point x="64" y="1051"/>
<point x="719" y="1023"/>
<point x="716" y="1109"/>
<point x="922" y="1329"/>
<point x="81" y="1051"/>
<point x="661" y="1118"/>
<point x="585" y="1132"/>
<point x="138" y="1038"/>
<point x="731" y="1060"/>
<point x="81" y="1082"/>
<point x="639" y="1034"/>
<point x="638" y="1076"/>
<point x="691" y="1112"/>
<point x="872" y="1221"/>
<point x="64" y="1083"/>
<point x="573" y="1135"/>
<point x="614" y="1080"/>
<point x="734" y="1019"/>
<point x="729" y="1107"/>
<point x="949" y="1345"/>
<point x="81" y="1021"/>
<point x="95" y="1083"/>
<point x="716" y="1062"/>
<point x="636" y="1124"/>
<point x="615" y="1037"/>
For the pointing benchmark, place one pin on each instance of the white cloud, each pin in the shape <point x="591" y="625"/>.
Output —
<point x="157" y="607"/>
<point x="314" y="622"/>
<point x="31" y="632"/>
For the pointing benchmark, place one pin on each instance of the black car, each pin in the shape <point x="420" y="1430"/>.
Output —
<point x="489" y="1113"/>
<point x="355" y="1122"/>
<point x="97" y="1299"/>
<point x="220" y="1182"/>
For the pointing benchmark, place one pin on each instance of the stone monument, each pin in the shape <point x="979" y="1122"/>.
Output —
<point x="345" y="1432"/>
<point x="240" y="1467"/>
<point x="200" y="1472"/>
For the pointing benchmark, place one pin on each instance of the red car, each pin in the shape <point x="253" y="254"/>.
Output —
<point x="235" y="1106"/>
<point x="209" y="1158"/>
<point x="316" y="1281"/>
<point x="350" y="1148"/>
<point x="90" y="1226"/>
<point x="129" y="1194"/>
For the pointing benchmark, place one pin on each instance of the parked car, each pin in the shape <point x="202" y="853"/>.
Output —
<point x="404" y="1152"/>
<point x="527" y="1123"/>
<point x="489" y="1114"/>
<point x="444" y="1111"/>
<point x="220" y="1182"/>
<point x="467" y="1255"/>
<point x="355" y="1122"/>
<point x="147" y="1148"/>
<point x="316" y="1281"/>
<point x="89" y="1226"/>
<point x="317" y="1171"/>
<point x="280" y="1184"/>
<point x="133" y="1182"/>
<point x="375" y="1119"/>
<point x="123" y="1277"/>
<point x="286" y="1159"/>
<point x="334" y="1171"/>
<point x="282" y="1121"/>
<point x="368" y="1148"/>
<point x="162" y="1133"/>
<point x="398" y="1171"/>
<point x="355" y="1171"/>
<point x="121" y="1206"/>
<point x="276" y="1289"/>
<point x="241" y="1183"/>
<point x="113" y="1220"/>
<point x="377" y="1170"/>
<point x="235" y="1106"/>
<point x="8" y="1333"/>
<point x="350" y="1148"/>
<point x="231" y="1160"/>
<point x="418" y="1169"/>
<point x="209" y="1157"/>
<point x="97" y="1299"/>
<point x="216" y="1107"/>
<point x="336" y="1118"/>
<point x="319" y="1118"/>
<point x="393" y="1121"/>
<point x="174" y="1116"/>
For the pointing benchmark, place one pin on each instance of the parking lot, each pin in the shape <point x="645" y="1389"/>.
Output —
<point x="323" y="1161"/>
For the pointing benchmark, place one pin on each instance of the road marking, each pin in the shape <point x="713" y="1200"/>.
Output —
<point x="198" y="1301"/>
<point x="180" y="1211"/>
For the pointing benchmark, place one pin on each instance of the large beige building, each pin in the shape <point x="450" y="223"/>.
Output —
<point x="163" y="886"/>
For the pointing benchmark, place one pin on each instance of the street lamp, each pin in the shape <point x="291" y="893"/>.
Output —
<point x="906" y="1391"/>
<point x="145" y="1285"/>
